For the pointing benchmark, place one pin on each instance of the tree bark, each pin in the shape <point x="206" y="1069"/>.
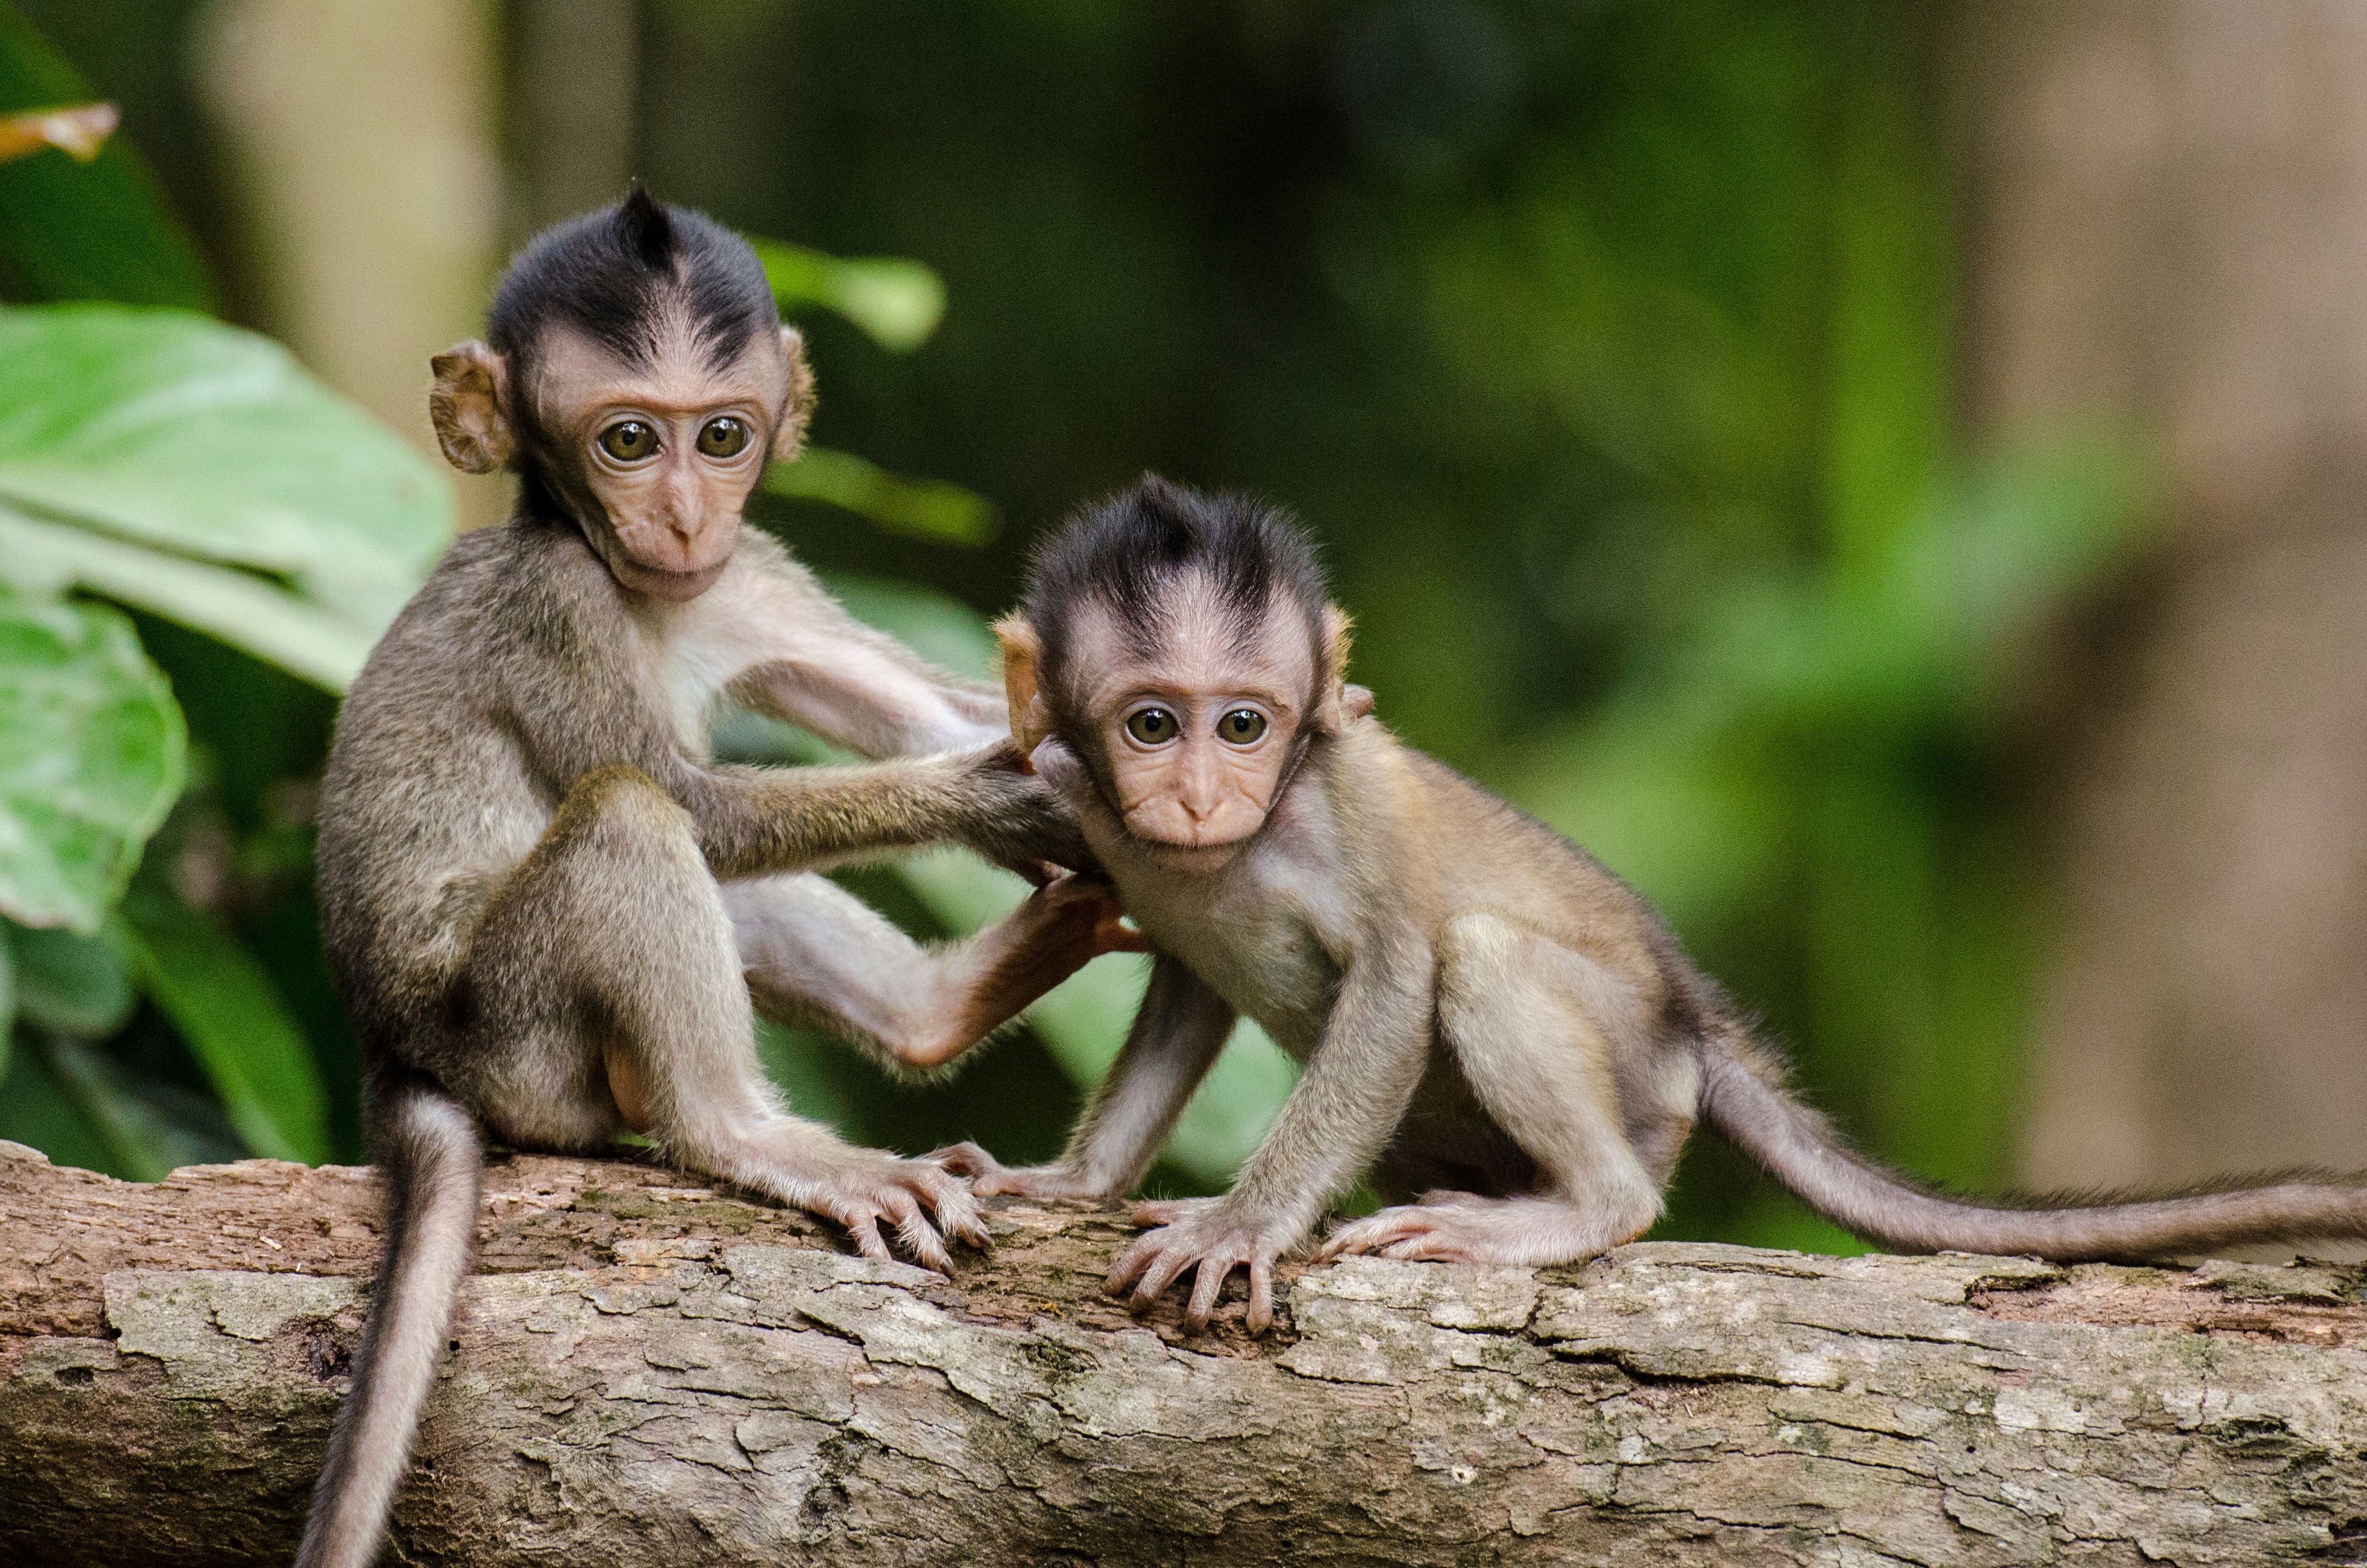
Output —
<point x="647" y="1370"/>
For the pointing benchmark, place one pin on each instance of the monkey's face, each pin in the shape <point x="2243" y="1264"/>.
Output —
<point x="1197" y="730"/>
<point x="656" y="460"/>
<point x="668" y="451"/>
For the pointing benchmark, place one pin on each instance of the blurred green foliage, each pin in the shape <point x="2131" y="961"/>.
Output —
<point x="1605" y="344"/>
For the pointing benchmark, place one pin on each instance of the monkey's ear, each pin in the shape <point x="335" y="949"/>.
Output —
<point x="797" y="412"/>
<point x="470" y="404"/>
<point x="1333" y="707"/>
<point x="1023" y="653"/>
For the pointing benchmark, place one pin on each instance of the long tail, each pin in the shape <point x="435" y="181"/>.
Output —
<point x="1796" y="1146"/>
<point x="433" y="1161"/>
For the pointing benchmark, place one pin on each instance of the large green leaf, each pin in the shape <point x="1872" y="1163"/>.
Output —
<point x="254" y="614"/>
<point x="231" y="1015"/>
<point x="149" y="1128"/>
<point x="70" y="982"/>
<point x="898" y="302"/>
<point x="178" y="433"/>
<point x="95" y="231"/>
<point x="91" y="754"/>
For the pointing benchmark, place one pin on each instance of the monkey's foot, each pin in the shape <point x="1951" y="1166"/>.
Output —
<point x="1206" y="1233"/>
<point x="1459" y="1227"/>
<point x="906" y="1194"/>
<point x="992" y="1178"/>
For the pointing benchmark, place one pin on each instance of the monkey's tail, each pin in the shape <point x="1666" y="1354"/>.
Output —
<point x="433" y="1160"/>
<point x="1800" y="1149"/>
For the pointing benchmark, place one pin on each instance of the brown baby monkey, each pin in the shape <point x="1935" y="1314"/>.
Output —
<point x="1490" y="1020"/>
<point x="546" y="902"/>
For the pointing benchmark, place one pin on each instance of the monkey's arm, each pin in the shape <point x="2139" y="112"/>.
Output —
<point x="1354" y="1092"/>
<point x="1177" y="1034"/>
<point x="854" y="685"/>
<point x="755" y="820"/>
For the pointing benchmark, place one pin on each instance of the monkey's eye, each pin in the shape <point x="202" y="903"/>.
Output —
<point x="724" y="437"/>
<point x="1152" y="726"/>
<point x="630" y="440"/>
<point x="1243" y="726"/>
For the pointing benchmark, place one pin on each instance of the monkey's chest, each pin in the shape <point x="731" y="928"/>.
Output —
<point x="1262" y="958"/>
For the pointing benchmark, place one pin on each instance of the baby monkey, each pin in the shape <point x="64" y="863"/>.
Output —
<point x="546" y="902"/>
<point x="1489" y="1018"/>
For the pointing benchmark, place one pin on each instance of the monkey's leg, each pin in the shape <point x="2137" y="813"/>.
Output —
<point x="818" y="957"/>
<point x="1520" y="1013"/>
<point x="613" y="921"/>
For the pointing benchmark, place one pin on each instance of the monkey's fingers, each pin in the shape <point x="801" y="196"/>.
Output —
<point x="1165" y="1268"/>
<point x="1432" y="1246"/>
<point x="1133" y="1261"/>
<point x="1261" y="1314"/>
<point x="921" y="1240"/>
<point x="1213" y="1271"/>
<point x="1372" y="1232"/>
<point x="958" y="1214"/>
<point x="865" y="1228"/>
<point x="1163" y="1210"/>
<point x="1113" y="934"/>
<point x="965" y="1159"/>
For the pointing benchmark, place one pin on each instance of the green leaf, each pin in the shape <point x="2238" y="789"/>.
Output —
<point x="95" y="231"/>
<point x="173" y="431"/>
<point x="312" y="641"/>
<point x="7" y="1005"/>
<point x="150" y="1127"/>
<point x="71" y="983"/>
<point x="91" y="748"/>
<point x="896" y="302"/>
<point x="232" y="1016"/>
<point x="944" y="630"/>
<point x="923" y="508"/>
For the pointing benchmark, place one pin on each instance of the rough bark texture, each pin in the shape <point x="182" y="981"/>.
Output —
<point x="648" y="1371"/>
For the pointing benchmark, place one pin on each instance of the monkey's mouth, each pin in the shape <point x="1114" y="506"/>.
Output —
<point x="1201" y="853"/>
<point x="667" y="582"/>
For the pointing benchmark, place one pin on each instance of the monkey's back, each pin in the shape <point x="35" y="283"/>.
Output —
<point x="430" y="794"/>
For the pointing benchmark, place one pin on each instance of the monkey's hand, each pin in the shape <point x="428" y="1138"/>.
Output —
<point x="1016" y="819"/>
<point x="861" y="1191"/>
<point x="1082" y="916"/>
<point x="992" y="1178"/>
<point x="1212" y="1233"/>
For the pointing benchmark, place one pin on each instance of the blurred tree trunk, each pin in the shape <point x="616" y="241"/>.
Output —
<point x="360" y="146"/>
<point x="2169" y="236"/>
<point x="577" y="66"/>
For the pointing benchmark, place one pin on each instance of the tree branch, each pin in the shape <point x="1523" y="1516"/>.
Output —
<point x="649" y="1371"/>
